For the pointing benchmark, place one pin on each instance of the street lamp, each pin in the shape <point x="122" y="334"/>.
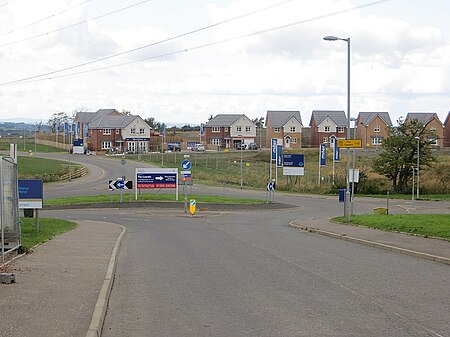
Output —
<point x="241" y="146"/>
<point x="347" y="191"/>
<point x="418" y="153"/>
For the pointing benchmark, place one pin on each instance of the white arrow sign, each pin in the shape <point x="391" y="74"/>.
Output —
<point x="159" y="178"/>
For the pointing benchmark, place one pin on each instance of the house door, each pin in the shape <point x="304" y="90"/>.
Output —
<point x="131" y="147"/>
<point x="287" y="142"/>
<point x="227" y="143"/>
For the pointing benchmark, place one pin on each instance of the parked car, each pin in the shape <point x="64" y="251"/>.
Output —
<point x="241" y="146"/>
<point x="198" y="147"/>
<point x="174" y="147"/>
<point x="252" y="146"/>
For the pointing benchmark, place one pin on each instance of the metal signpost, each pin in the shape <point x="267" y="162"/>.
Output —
<point x="185" y="177"/>
<point x="31" y="196"/>
<point x="270" y="191"/>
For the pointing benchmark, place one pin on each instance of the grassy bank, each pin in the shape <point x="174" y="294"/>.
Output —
<point x="428" y="225"/>
<point x="48" y="229"/>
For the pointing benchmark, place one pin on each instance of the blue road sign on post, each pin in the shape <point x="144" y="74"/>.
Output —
<point x="295" y="160"/>
<point x="202" y="129"/>
<point x="186" y="165"/>
<point x="31" y="193"/>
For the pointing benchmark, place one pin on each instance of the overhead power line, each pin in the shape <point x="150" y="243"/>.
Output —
<point x="74" y="24"/>
<point x="37" y="78"/>
<point x="46" y="18"/>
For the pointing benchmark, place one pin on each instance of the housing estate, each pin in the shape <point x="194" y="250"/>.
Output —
<point x="229" y="131"/>
<point x="284" y="125"/>
<point x="372" y="128"/>
<point x="107" y="129"/>
<point x="431" y="122"/>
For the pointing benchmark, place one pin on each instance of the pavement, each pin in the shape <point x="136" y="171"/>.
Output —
<point x="62" y="288"/>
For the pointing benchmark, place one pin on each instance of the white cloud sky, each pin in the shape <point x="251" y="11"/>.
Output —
<point x="400" y="58"/>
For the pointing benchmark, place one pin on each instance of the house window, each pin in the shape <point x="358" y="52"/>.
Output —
<point x="377" y="140"/>
<point x="340" y="129"/>
<point x="377" y="129"/>
<point x="133" y="131"/>
<point x="225" y="129"/>
<point x="238" y="128"/>
<point x="327" y="129"/>
<point x="141" y="131"/>
<point x="294" y="140"/>
<point x="248" y="129"/>
<point x="106" y="145"/>
<point x="326" y="140"/>
<point x="215" y="141"/>
<point x="117" y="131"/>
<point x="292" y="129"/>
<point x="432" y="140"/>
<point x="276" y="129"/>
<point x="215" y="129"/>
<point x="106" y="131"/>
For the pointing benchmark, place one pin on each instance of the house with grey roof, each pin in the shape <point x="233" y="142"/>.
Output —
<point x="229" y="131"/>
<point x="109" y="130"/>
<point x="372" y="128"/>
<point x="431" y="122"/>
<point x="285" y="126"/>
<point x="327" y="126"/>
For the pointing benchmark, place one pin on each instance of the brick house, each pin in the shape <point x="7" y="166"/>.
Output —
<point x="327" y="126"/>
<point x="285" y="125"/>
<point x="108" y="130"/>
<point x="446" y="140"/>
<point x="229" y="131"/>
<point x="431" y="122"/>
<point x="372" y="128"/>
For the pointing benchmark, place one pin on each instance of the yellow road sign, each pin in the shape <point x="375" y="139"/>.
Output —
<point x="349" y="143"/>
<point x="192" y="206"/>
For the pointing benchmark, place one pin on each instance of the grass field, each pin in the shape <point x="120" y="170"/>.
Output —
<point x="29" y="146"/>
<point x="48" y="228"/>
<point x="147" y="197"/>
<point x="47" y="169"/>
<point x="429" y="225"/>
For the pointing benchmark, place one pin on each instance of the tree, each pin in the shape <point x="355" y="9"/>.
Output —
<point x="398" y="158"/>
<point x="58" y="119"/>
<point x="152" y="123"/>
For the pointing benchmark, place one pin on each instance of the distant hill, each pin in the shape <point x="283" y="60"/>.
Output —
<point x="18" y="128"/>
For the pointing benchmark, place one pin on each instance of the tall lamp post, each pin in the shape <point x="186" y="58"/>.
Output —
<point x="347" y="189"/>
<point x="418" y="160"/>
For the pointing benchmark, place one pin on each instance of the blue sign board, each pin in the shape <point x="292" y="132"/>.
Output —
<point x="323" y="154"/>
<point x="156" y="180"/>
<point x="336" y="153"/>
<point x="294" y="160"/>
<point x="279" y="155"/>
<point x="186" y="164"/>
<point x="163" y="129"/>
<point x="274" y="148"/>
<point x="202" y="129"/>
<point x="31" y="193"/>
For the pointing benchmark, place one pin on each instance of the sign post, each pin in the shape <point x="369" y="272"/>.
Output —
<point x="185" y="176"/>
<point x="157" y="178"/>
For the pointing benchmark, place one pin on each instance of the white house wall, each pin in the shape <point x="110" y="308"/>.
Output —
<point x="327" y="122"/>
<point x="137" y="124"/>
<point x="243" y="122"/>
<point x="290" y="123"/>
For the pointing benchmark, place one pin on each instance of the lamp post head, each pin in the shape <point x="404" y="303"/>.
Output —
<point x="331" y="38"/>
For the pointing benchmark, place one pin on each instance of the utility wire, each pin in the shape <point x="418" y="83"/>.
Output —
<point x="319" y="17"/>
<point x="75" y="24"/>
<point x="46" y="18"/>
<point x="150" y="45"/>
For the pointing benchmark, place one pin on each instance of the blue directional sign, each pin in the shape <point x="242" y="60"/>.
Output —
<point x="294" y="160"/>
<point x="186" y="164"/>
<point x="156" y="180"/>
<point x="202" y="129"/>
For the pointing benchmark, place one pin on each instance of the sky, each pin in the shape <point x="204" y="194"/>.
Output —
<point x="182" y="61"/>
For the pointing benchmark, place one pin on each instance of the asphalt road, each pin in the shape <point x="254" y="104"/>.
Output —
<point x="249" y="274"/>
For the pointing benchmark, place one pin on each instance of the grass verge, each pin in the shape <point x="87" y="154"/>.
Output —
<point x="48" y="229"/>
<point x="148" y="197"/>
<point x="428" y="225"/>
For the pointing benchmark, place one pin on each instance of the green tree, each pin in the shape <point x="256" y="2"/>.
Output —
<point x="57" y="120"/>
<point x="398" y="157"/>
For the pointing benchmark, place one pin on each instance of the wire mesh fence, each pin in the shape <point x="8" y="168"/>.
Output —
<point x="9" y="206"/>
